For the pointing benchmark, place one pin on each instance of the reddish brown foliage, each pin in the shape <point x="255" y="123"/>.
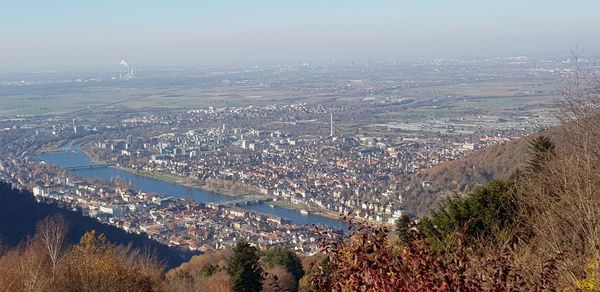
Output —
<point x="369" y="261"/>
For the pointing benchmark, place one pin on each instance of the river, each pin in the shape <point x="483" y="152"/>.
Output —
<point x="147" y="184"/>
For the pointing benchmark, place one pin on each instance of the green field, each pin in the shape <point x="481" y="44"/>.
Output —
<point x="137" y="98"/>
<point x="457" y="100"/>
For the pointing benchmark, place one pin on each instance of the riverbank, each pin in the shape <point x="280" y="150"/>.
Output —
<point x="183" y="181"/>
<point x="170" y="178"/>
<point x="149" y="185"/>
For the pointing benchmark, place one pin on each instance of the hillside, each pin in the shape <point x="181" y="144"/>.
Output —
<point x="535" y="229"/>
<point x="479" y="167"/>
<point x="464" y="175"/>
<point x="20" y="214"/>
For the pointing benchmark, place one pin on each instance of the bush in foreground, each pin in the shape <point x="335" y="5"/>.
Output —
<point x="370" y="261"/>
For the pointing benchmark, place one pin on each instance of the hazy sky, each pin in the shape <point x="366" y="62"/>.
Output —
<point x="54" y="33"/>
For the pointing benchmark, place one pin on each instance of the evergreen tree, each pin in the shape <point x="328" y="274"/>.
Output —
<point x="402" y="228"/>
<point x="245" y="272"/>
<point x="487" y="210"/>
<point x="541" y="149"/>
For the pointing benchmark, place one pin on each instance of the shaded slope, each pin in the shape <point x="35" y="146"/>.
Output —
<point x="20" y="214"/>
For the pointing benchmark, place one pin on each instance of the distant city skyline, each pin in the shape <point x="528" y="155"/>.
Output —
<point x="87" y="34"/>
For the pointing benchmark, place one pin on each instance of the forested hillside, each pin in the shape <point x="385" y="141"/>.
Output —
<point x="20" y="214"/>
<point x="464" y="175"/>
<point x="479" y="167"/>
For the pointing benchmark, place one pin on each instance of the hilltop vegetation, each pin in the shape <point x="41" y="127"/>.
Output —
<point x="46" y="248"/>
<point x="46" y="263"/>
<point x="478" y="168"/>
<point x="20" y="214"/>
<point x="535" y="229"/>
<point x="242" y="268"/>
<point x="466" y="174"/>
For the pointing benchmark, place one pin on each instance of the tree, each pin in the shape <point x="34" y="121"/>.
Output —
<point x="33" y="269"/>
<point x="402" y="228"/>
<point x="97" y="265"/>
<point x="52" y="233"/>
<point x="245" y="272"/>
<point x="278" y="279"/>
<point x="286" y="258"/>
<point x="541" y="149"/>
<point x="485" y="212"/>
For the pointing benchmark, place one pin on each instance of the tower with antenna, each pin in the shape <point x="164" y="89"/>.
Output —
<point x="331" y="124"/>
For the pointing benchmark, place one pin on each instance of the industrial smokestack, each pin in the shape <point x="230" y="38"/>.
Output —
<point x="130" y="72"/>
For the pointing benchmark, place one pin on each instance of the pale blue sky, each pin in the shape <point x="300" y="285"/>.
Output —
<point x="85" y="33"/>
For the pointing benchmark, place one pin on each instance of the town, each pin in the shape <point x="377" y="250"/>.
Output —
<point x="173" y="221"/>
<point x="352" y="149"/>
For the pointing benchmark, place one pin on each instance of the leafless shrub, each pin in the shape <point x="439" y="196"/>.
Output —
<point x="579" y="109"/>
<point x="25" y="268"/>
<point x="278" y="279"/>
<point x="560" y="201"/>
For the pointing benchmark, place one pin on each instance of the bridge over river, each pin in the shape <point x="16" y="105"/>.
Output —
<point x="89" y="166"/>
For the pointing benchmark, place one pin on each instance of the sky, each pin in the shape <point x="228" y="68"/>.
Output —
<point x="63" y="34"/>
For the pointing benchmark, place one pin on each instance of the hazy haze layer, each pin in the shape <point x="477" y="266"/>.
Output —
<point x="64" y="34"/>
